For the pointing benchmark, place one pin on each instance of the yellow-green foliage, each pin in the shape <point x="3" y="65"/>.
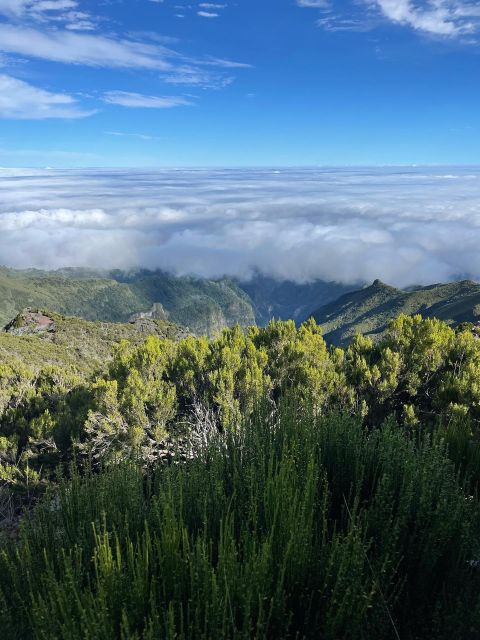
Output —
<point x="130" y="396"/>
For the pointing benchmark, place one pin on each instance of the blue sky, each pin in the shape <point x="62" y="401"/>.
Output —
<point x="239" y="83"/>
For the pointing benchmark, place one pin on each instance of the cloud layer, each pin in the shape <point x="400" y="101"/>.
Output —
<point x="404" y="225"/>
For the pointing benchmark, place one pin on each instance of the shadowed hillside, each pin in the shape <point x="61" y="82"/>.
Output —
<point x="287" y="300"/>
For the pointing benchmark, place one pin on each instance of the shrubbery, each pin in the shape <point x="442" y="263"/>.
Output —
<point x="323" y="493"/>
<point x="291" y="525"/>
<point x="423" y="374"/>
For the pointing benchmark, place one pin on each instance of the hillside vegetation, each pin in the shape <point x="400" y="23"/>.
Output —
<point x="205" y="306"/>
<point x="74" y="342"/>
<point x="259" y="485"/>
<point x="290" y="526"/>
<point x="286" y="300"/>
<point x="105" y="391"/>
<point x="367" y="311"/>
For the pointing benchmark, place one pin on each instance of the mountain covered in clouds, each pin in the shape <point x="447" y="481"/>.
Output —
<point x="368" y="310"/>
<point x="204" y="306"/>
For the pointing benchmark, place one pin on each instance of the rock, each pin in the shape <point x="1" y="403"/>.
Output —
<point x="30" y="322"/>
<point x="157" y="312"/>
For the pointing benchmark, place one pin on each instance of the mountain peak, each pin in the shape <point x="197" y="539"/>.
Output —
<point x="378" y="284"/>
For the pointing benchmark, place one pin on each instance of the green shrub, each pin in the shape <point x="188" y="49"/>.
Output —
<point x="290" y="526"/>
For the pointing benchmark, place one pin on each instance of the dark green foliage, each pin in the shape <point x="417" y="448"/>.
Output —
<point x="288" y="527"/>
<point x="286" y="300"/>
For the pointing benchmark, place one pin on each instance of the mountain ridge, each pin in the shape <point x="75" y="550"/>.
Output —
<point x="369" y="309"/>
<point x="204" y="306"/>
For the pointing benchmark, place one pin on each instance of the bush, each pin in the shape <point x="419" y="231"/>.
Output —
<point x="289" y="526"/>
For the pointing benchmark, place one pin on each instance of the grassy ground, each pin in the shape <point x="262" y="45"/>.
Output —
<point x="81" y="344"/>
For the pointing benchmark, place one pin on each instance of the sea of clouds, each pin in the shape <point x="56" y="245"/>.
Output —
<point x="405" y="225"/>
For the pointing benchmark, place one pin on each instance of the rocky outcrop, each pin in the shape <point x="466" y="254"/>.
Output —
<point x="30" y="322"/>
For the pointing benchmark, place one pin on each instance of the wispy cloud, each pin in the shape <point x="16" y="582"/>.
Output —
<point x="195" y="76"/>
<point x="60" y="31"/>
<point x="22" y="7"/>
<point x="138" y="100"/>
<point x="124" y="134"/>
<point x="207" y="14"/>
<point x="82" y="48"/>
<point x="333" y="224"/>
<point x="437" y="17"/>
<point x="440" y="18"/>
<point x="54" y="11"/>
<point x="314" y="4"/>
<point x="20" y="100"/>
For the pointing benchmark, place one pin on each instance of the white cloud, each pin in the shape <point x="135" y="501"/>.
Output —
<point x="450" y="18"/>
<point x="79" y="21"/>
<point x="54" y="11"/>
<point x="13" y="7"/>
<point x="70" y="47"/>
<point x="318" y="4"/>
<point x="59" y="31"/>
<point x="207" y="14"/>
<point x="194" y="76"/>
<point x="225" y="64"/>
<point x="436" y="17"/>
<point x="20" y="100"/>
<point x="123" y="134"/>
<point x="441" y="18"/>
<point x="129" y="99"/>
<point x="82" y="48"/>
<point x="52" y="5"/>
<point x="404" y="225"/>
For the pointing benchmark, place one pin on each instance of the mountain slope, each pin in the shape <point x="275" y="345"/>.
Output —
<point x="91" y="298"/>
<point x="206" y="306"/>
<point x="368" y="310"/>
<point x="40" y="338"/>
